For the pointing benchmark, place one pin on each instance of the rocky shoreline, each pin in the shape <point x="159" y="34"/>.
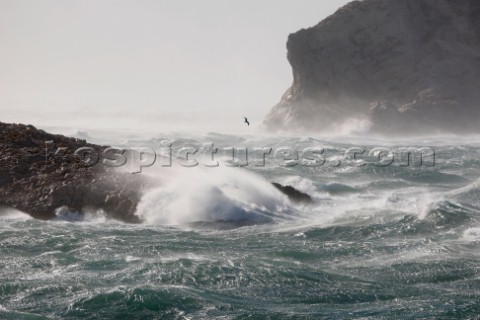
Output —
<point x="43" y="174"/>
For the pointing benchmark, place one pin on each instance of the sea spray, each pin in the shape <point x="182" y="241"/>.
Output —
<point x="212" y="194"/>
<point x="392" y="242"/>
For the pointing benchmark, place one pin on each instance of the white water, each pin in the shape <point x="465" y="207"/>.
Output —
<point x="212" y="194"/>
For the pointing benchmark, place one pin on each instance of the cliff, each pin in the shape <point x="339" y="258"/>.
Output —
<point x="404" y="66"/>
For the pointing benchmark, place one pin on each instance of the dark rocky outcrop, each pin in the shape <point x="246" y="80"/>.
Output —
<point x="405" y="66"/>
<point x="37" y="181"/>
<point x="42" y="175"/>
<point x="293" y="194"/>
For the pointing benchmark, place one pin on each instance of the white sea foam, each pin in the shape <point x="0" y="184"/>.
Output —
<point x="13" y="214"/>
<point x="93" y="216"/>
<point x="212" y="194"/>
<point x="471" y="234"/>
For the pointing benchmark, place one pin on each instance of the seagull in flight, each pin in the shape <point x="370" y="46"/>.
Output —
<point x="246" y="121"/>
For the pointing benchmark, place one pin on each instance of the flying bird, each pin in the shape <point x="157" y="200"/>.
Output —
<point x="246" y="121"/>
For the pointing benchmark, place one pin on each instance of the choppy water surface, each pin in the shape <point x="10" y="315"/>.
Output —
<point x="380" y="242"/>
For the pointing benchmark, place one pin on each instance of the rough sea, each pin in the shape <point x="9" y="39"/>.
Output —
<point x="384" y="240"/>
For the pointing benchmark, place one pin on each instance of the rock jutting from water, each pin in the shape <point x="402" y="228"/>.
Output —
<point x="395" y="66"/>
<point x="45" y="175"/>
<point x="40" y="174"/>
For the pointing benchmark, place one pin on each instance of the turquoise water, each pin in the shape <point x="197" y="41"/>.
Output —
<point x="390" y="242"/>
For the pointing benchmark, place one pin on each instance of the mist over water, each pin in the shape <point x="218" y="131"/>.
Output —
<point x="137" y="65"/>
<point x="387" y="241"/>
<point x="396" y="240"/>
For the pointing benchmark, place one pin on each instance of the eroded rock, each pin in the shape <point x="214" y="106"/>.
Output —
<point x="405" y="66"/>
<point x="37" y="181"/>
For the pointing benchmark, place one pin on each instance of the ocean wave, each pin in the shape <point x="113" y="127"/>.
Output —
<point x="186" y="195"/>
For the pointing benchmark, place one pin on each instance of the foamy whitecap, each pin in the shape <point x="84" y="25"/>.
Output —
<point x="211" y="194"/>
<point x="471" y="234"/>
<point x="13" y="214"/>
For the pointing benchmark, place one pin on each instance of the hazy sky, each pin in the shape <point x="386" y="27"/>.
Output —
<point x="145" y="63"/>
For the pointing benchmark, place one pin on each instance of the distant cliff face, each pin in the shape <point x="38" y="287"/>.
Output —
<point x="405" y="66"/>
